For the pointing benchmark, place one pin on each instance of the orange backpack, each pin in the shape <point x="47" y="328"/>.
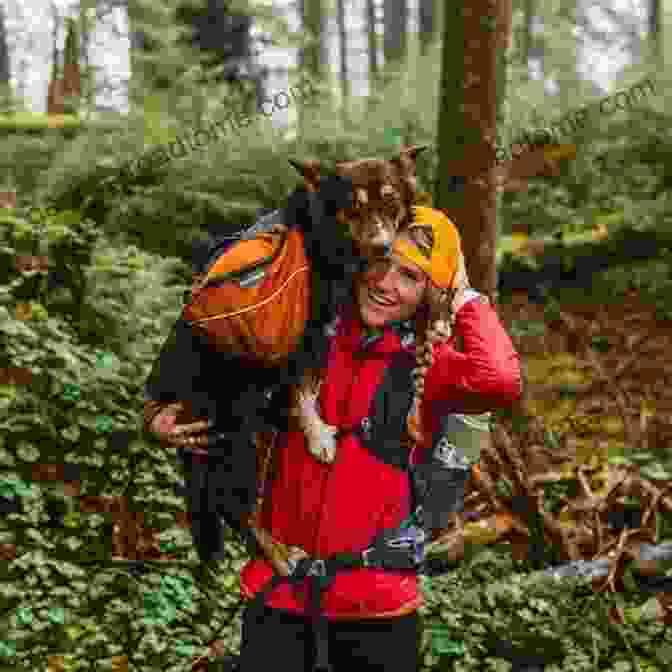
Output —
<point x="254" y="301"/>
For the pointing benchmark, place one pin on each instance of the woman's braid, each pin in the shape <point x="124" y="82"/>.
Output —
<point x="433" y="327"/>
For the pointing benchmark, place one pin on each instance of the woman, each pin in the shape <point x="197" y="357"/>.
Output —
<point x="337" y="501"/>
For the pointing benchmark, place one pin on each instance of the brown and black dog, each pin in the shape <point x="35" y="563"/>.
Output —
<point x="384" y="193"/>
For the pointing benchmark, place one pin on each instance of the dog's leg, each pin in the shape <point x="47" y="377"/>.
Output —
<point x="320" y="437"/>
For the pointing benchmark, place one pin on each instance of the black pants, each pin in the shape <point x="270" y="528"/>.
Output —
<point x="281" y="639"/>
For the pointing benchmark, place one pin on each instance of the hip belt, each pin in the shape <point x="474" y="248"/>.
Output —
<point x="399" y="549"/>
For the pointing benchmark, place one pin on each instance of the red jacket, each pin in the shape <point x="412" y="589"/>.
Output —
<point x="340" y="507"/>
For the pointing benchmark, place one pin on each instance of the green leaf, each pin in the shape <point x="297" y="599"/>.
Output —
<point x="489" y="23"/>
<point x="442" y="644"/>
<point x="14" y="487"/>
<point x="656" y="472"/>
<point x="104" y="424"/>
<point x="7" y="649"/>
<point x="552" y="312"/>
<point x="8" y="391"/>
<point x="184" y="649"/>
<point x="551" y="439"/>
<point x="71" y="392"/>
<point x="664" y="653"/>
<point x="520" y="424"/>
<point x="504" y="488"/>
<point x="633" y="614"/>
<point x="567" y="391"/>
<point x="106" y="360"/>
<point x="568" y="263"/>
<point x="57" y="615"/>
<point x="533" y="328"/>
<point x="71" y="433"/>
<point x="229" y="581"/>
<point x="70" y="219"/>
<point x="72" y="519"/>
<point x="74" y="632"/>
<point x="600" y="343"/>
<point x="24" y="615"/>
<point x="27" y="451"/>
<point x="393" y="137"/>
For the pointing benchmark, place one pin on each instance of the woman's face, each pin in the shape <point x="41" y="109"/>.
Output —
<point x="390" y="289"/>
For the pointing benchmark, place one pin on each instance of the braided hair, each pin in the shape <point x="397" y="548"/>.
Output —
<point x="434" y="324"/>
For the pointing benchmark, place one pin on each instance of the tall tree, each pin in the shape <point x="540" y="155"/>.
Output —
<point x="168" y="38"/>
<point x="313" y="57"/>
<point x="221" y="37"/>
<point x="655" y="31"/>
<point x="5" y="71"/>
<point x="528" y="27"/>
<point x="568" y="75"/>
<point x="427" y="23"/>
<point x="473" y="34"/>
<point x="395" y="19"/>
<point x="72" y="87"/>
<point x="372" y="49"/>
<point x="87" y="13"/>
<point x="55" y="88"/>
<point x="343" y="48"/>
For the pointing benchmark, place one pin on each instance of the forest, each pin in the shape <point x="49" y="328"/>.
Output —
<point x="558" y="176"/>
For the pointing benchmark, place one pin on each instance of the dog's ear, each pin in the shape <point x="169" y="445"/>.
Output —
<point x="412" y="151"/>
<point x="310" y="171"/>
<point x="406" y="164"/>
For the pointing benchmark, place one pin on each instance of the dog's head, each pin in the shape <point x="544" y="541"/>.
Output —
<point x="384" y="192"/>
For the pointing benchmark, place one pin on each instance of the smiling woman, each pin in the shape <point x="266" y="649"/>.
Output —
<point x="391" y="290"/>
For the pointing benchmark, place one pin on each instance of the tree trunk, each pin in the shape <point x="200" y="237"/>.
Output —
<point x="567" y="77"/>
<point x="313" y="58"/>
<point x="55" y="89"/>
<point x="372" y="47"/>
<point x="427" y="24"/>
<point x="86" y="75"/>
<point x="5" y="70"/>
<point x="474" y="36"/>
<point x="394" y="42"/>
<point x="526" y="51"/>
<point x="343" y="48"/>
<point x="72" y="87"/>
<point x="655" y="32"/>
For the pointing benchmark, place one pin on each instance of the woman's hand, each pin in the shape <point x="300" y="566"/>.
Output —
<point x="461" y="281"/>
<point x="189" y="435"/>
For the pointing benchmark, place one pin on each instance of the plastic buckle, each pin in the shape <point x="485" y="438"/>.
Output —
<point x="317" y="568"/>
<point x="419" y="515"/>
<point x="292" y="565"/>
<point x="365" y="557"/>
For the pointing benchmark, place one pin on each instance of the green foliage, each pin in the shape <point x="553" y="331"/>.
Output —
<point x="26" y="156"/>
<point x="89" y="370"/>
<point x="63" y="594"/>
<point x="488" y="600"/>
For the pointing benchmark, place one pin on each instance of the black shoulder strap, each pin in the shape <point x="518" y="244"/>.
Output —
<point x="383" y="430"/>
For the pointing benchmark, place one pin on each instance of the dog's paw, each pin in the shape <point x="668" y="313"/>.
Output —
<point x="322" y="441"/>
